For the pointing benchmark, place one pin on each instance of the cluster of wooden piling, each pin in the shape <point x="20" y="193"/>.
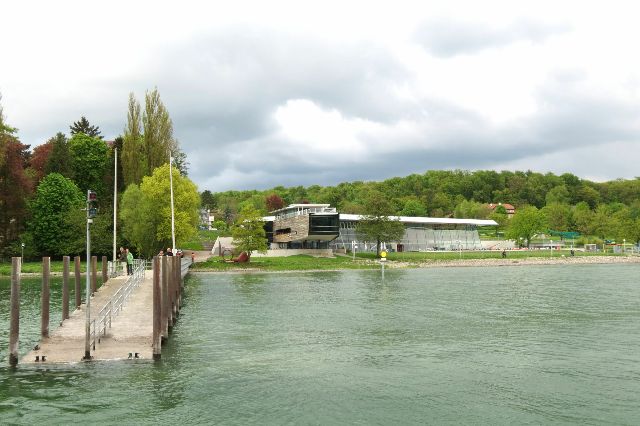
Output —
<point x="16" y="266"/>
<point x="167" y="298"/>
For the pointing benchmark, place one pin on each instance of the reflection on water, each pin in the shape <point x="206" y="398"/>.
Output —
<point x="457" y="345"/>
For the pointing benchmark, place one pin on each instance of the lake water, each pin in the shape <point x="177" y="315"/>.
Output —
<point x="510" y="345"/>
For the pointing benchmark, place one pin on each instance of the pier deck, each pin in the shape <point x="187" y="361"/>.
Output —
<point x="130" y="332"/>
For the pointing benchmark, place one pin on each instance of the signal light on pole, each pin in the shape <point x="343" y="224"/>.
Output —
<point x="92" y="197"/>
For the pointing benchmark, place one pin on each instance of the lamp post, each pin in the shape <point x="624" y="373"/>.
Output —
<point x="22" y="252"/>
<point x="460" y="249"/>
<point x="550" y="248"/>
<point x="624" y="243"/>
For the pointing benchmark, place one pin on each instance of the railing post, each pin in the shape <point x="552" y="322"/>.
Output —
<point x="65" y="287"/>
<point x="157" y="303"/>
<point x="77" y="289"/>
<point x="94" y="274"/>
<point x="105" y="273"/>
<point x="44" y="323"/>
<point x="14" y="326"/>
<point x="165" y="297"/>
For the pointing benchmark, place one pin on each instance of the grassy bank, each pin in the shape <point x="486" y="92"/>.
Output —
<point x="368" y="260"/>
<point x="291" y="263"/>
<point x="36" y="267"/>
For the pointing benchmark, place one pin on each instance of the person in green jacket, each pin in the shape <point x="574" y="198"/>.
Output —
<point x="129" y="262"/>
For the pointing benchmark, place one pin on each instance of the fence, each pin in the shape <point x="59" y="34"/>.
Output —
<point x="117" y="302"/>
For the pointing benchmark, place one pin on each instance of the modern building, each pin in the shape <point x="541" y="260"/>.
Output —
<point x="421" y="234"/>
<point x="303" y="226"/>
<point x="319" y="226"/>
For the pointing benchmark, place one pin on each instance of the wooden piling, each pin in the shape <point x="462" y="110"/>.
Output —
<point x="65" y="287"/>
<point x="94" y="274"/>
<point x="78" y="290"/>
<point x="165" y="297"/>
<point x="44" y="323"/>
<point x="105" y="273"/>
<point x="170" y="291"/>
<point x="14" y="325"/>
<point x="157" y="309"/>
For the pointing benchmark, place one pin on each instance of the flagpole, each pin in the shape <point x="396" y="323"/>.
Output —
<point x="115" y="208"/>
<point x="173" y="230"/>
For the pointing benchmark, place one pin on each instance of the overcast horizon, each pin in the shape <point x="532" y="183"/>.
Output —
<point x="289" y="94"/>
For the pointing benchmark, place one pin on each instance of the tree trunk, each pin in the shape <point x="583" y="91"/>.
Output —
<point x="378" y="248"/>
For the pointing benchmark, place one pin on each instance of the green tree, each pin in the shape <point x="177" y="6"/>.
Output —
<point x="557" y="216"/>
<point x="146" y="211"/>
<point x="413" y="208"/>
<point x="59" y="159"/>
<point x="83" y="126"/>
<point x="527" y="222"/>
<point x="56" y="198"/>
<point x="134" y="166"/>
<point x="157" y="131"/>
<point x="89" y="161"/>
<point x="248" y="232"/>
<point x="582" y="218"/>
<point x="472" y="210"/>
<point x="558" y="195"/>
<point x="376" y="225"/>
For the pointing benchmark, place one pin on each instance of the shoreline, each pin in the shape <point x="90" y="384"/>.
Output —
<point x="468" y="263"/>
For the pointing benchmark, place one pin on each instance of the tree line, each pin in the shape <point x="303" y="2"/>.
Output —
<point x="43" y="190"/>
<point x="563" y="203"/>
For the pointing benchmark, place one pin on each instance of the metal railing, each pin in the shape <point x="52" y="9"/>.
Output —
<point x="112" y="308"/>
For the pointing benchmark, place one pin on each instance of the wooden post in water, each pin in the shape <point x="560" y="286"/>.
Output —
<point x="44" y="324"/>
<point x="14" y="325"/>
<point x="157" y="309"/>
<point x="174" y="290"/>
<point x="94" y="274"/>
<point x="65" y="287"/>
<point x="76" y="262"/>
<point x="170" y="291"/>
<point x="105" y="274"/>
<point x="165" y="297"/>
<point x="179" y="283"/>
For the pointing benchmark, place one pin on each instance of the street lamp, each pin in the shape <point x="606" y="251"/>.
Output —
<point x="460" y="249"/>
<point x="550" y="248"/>
<point x="624" y="243"/>
<point x="22" y="252"/>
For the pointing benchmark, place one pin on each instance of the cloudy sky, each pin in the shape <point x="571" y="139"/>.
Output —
<point x="300" y="93"/>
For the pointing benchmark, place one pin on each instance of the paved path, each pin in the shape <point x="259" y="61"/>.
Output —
<point x="131" y="330"/>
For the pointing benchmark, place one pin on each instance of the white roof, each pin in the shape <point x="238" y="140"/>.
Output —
<point x="301" y="206"/>
<point x="427" y="220"/>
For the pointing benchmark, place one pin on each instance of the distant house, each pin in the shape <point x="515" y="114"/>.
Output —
<point x="206" y="219"/>
<point x="508" y="207"/>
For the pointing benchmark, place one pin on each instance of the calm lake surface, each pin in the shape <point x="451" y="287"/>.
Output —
<point x="510" y="345"/>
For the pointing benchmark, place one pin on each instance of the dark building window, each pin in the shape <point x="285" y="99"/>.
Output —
<point x="324" y="225"/>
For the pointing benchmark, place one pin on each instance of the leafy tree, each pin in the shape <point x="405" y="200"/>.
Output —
<point x="89" y="161"/>
<point x="40" y="160"/>
<point x="134" y="165"/>
<point x="501" y="218"/>
<point x="472" y="210"/>
<point x="376" y="225"/>
<point x="527" y="222"/>
<point x="15" y="188"/>
<point x="558" y="195"/>
<point x="557" y="216"/>
<point x="59" y="160"/>
<point x="248" y="232"/>
<point x="157" y="131"/>
<point x="209" y="201"/>
<point x="274" y="202"/>
<point x="146" y="211"/>
<point x="582" y="218"/>
<point x="413" y="208"/>
<point x="56" y="198"/>
<point x="601" y="221"/>
<point x="83" y="126"/>
<point x="148" y="139"/>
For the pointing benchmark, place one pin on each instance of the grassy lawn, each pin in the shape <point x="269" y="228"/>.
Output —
<point x="36" y="267"/>
<point x="290" y="263"/>
<point x="418" y="257"/>
<point x="196" y="243"/>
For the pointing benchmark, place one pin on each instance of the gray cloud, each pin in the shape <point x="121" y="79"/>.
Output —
<point x="448" y="37"/>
